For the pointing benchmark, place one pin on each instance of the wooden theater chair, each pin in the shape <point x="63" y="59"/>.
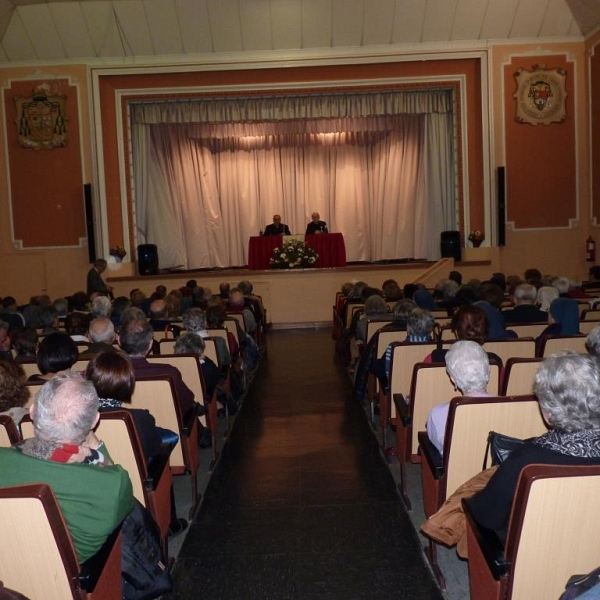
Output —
<point x="552" y="344"/>
<point x="430" y="387"/>
<point x="519" y="374"/>
<point x="37" y="556"/>
<point x="553" y="533"/>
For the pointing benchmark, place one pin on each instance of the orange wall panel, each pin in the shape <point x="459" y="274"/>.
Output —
<point x="541" y="170"/>
<point x="45" y="185"/>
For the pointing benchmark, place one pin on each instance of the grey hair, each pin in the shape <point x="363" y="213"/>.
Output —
<point x="101" y="307"/>
<point x="526" y="291"/>
<point x="65" y="409"/>
<point x="4" y="325"/>
<point x="194" y="320"/>
<point x="567" y="386"/>
<point x="592" y="342"/>
<point x="420" y="322"/>
<point x="562" y="284"/>
<point x="133" y="313"/>
<point x="189" y="343"/>
<point x="450" y="288"/>
<point x="61" y="305"/>
<point x="375" y="305"/>
<point x="101" y="330"/>
<point x="468" y="365"/>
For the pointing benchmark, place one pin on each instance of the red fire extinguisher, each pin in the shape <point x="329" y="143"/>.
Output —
<point x="590" y="249"/>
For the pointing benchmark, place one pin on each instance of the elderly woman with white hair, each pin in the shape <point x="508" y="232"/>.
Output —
<point x="567" y="386"/>
<point x="468" y="367"/>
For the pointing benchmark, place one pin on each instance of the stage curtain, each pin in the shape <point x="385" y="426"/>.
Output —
<point x="386" y="181"/>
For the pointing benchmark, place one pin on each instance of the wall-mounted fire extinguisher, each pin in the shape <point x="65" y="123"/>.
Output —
<point x="590" y="249"/>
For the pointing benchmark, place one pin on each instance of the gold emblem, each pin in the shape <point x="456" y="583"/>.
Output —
<point x="541" y="95"/>
<point x="41" y="119"/>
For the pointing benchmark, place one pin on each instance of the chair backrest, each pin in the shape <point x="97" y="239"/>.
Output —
<point x="239" y="317"/>
<point x="80" y="365"/>
<point x="404" y="357"/>
<point x="37" y="557"/>
<point x="219" y="332"/>
<point x="505" y="349"/>
<point x="189" y="367"/>
<point x="554" y="531"/>
<point x="524" y="330"/>
<point x="385" y="338"/>
<point x="588" y="326"/>
<point x="373" y="326"/>
<point x="231" y="326"/>
<point x="556" y="343"/>
<point x="158" y="396"/>
<point x="583" y="306"/>
<point x="431" y="387"/>
<point x="352" y="310"/>
<point x="590" y="315"/>
<point x="30" y="368"/>
<point x="519" y="374"/>
<point x="117" y="430"/>
<point x="469" y="422"/>
<point x="210" y="350"/>
<point x="166" y="346"/>
<point x="9" y="434"/>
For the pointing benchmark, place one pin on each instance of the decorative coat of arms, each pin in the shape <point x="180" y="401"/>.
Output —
<point x="41" y="119"/>
<point x="541" y="95"/>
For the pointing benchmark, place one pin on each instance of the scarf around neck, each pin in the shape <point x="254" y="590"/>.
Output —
<point x="583" y="444"/>
<point x="61" y="453"/>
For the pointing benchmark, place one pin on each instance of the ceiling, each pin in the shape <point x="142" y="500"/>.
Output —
<point x="175" y="30"/>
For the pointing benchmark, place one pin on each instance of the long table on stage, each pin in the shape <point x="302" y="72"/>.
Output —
<point x="329" y="246"/>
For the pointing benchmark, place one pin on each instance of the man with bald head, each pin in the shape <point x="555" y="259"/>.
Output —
<point x="525" y="311"/>
<point x="159" y="317"/>
<point x="277" y="227"/>
<point x="101" y="334"/>
<point x="316" y="225"/>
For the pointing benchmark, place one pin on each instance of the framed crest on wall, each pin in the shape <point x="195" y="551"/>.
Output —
<point x="41" y="119"/>
<point x="541" y="95"/>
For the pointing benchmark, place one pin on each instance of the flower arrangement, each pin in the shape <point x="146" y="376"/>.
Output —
<point x="118" y="251"/>
<point x="476" y="237"/>
<point x="294" y="254"/>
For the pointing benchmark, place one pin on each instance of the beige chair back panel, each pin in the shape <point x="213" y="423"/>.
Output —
<point x="433" y="387"/>
<point x="157" y="397"/>
<point x="30" y="369"/>
<point x="560" y="536"/>
<point x="592" y="315"/>
<point x="472" y="424"/>
<point x="554" y="345"/>
<point x="521" y="378"/>
<point x="583" y="305"/>
<point x="4" y="439"/>
<point x="448" y="335"/>
<point x="528" y="330"/>
<point x="512" y="348"/>
<point x="113" y="432"/>
<point x="210" y="350"/>
<point x="26" y="429"/>
<point x="222" y="333"/>
<point x="404" y="359"/>
<point x="587" y="327"/>
<point x="230" y="325"/>
<point x="166" y="346"/>
<point x="188" y="367"/>
<point x="239" y="317"/>
<point x="373" y="326"/>
<point x="443" y="320"/>
<point x="25" y="524"/>
<point x="386" y="338"/>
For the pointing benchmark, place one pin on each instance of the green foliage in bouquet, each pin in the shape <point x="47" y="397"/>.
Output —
<point x="294" y="254"/>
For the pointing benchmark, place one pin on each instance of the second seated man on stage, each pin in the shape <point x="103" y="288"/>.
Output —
<point x="316" y="225"/>
<point x="277" y="227"/>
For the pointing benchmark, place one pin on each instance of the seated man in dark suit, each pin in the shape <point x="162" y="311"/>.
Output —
<point x="316" y="225"/>
<point x="524" y="311"/>
<point x="277" y="227"/>
<point x="136" y="338"/>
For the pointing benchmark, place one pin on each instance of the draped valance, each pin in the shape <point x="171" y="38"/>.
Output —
<point x="339" y="105"/>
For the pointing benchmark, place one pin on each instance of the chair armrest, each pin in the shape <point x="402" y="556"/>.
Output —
<point x="188" y="421"/>
<point x="402" y="409"/>
<point x="156" y="467"/>
<point x="432" y="455"/>
<point x="490" y="545"/>
<point x="91" y="570"/>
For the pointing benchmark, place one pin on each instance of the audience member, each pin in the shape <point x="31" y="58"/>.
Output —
<point x="455" y="276"/>
<point x="5" y="341"/>
<point x="524" y="311"/>
<point x="563" y="318"/>
<point x="159" y="320"/>
<point x="375" y="310"/>
<point x="119" y="304"/>
<point x="545" y="295"/>
<point x="101" y="307"/>
<point x="424" y="299"/>
<point x="66" y="454"/>
<point x="25" y="343"/>
<point x="14" y="394"/>
<point x="48" y="319"/>
<point x="10" y="313"/>
<point x="192" y="343"/>
<point x="592" y="342"/>
<point x="57" y="352"/>
<point x="76" y="326"/>
<point x="101" y="333"/>
<point x="194" y="321"/>
<point x="236" y="304"/>
<point x="468" y="368"/>
<point x="277" y="227"/>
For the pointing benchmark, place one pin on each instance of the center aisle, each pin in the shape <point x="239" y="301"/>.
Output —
<point x="301" y="505"/>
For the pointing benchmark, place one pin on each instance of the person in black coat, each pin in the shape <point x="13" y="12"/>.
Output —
<point x="316" y="225"/>
<point x="277" y="227"/>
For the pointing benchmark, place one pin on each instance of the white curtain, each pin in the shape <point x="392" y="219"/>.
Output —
<point x="385" y="180"/>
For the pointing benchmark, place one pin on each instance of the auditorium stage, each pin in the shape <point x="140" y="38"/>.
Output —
<point x="297" y="297"/>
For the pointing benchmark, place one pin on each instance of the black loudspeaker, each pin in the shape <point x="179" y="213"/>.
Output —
<point x="501" y="187"/>
<point x="147" y="255"/>
<point x="450" y="244"/>
<point x="89" y="221"/>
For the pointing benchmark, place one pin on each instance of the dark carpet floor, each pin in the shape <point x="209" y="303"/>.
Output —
<point x="301" y="505"/>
